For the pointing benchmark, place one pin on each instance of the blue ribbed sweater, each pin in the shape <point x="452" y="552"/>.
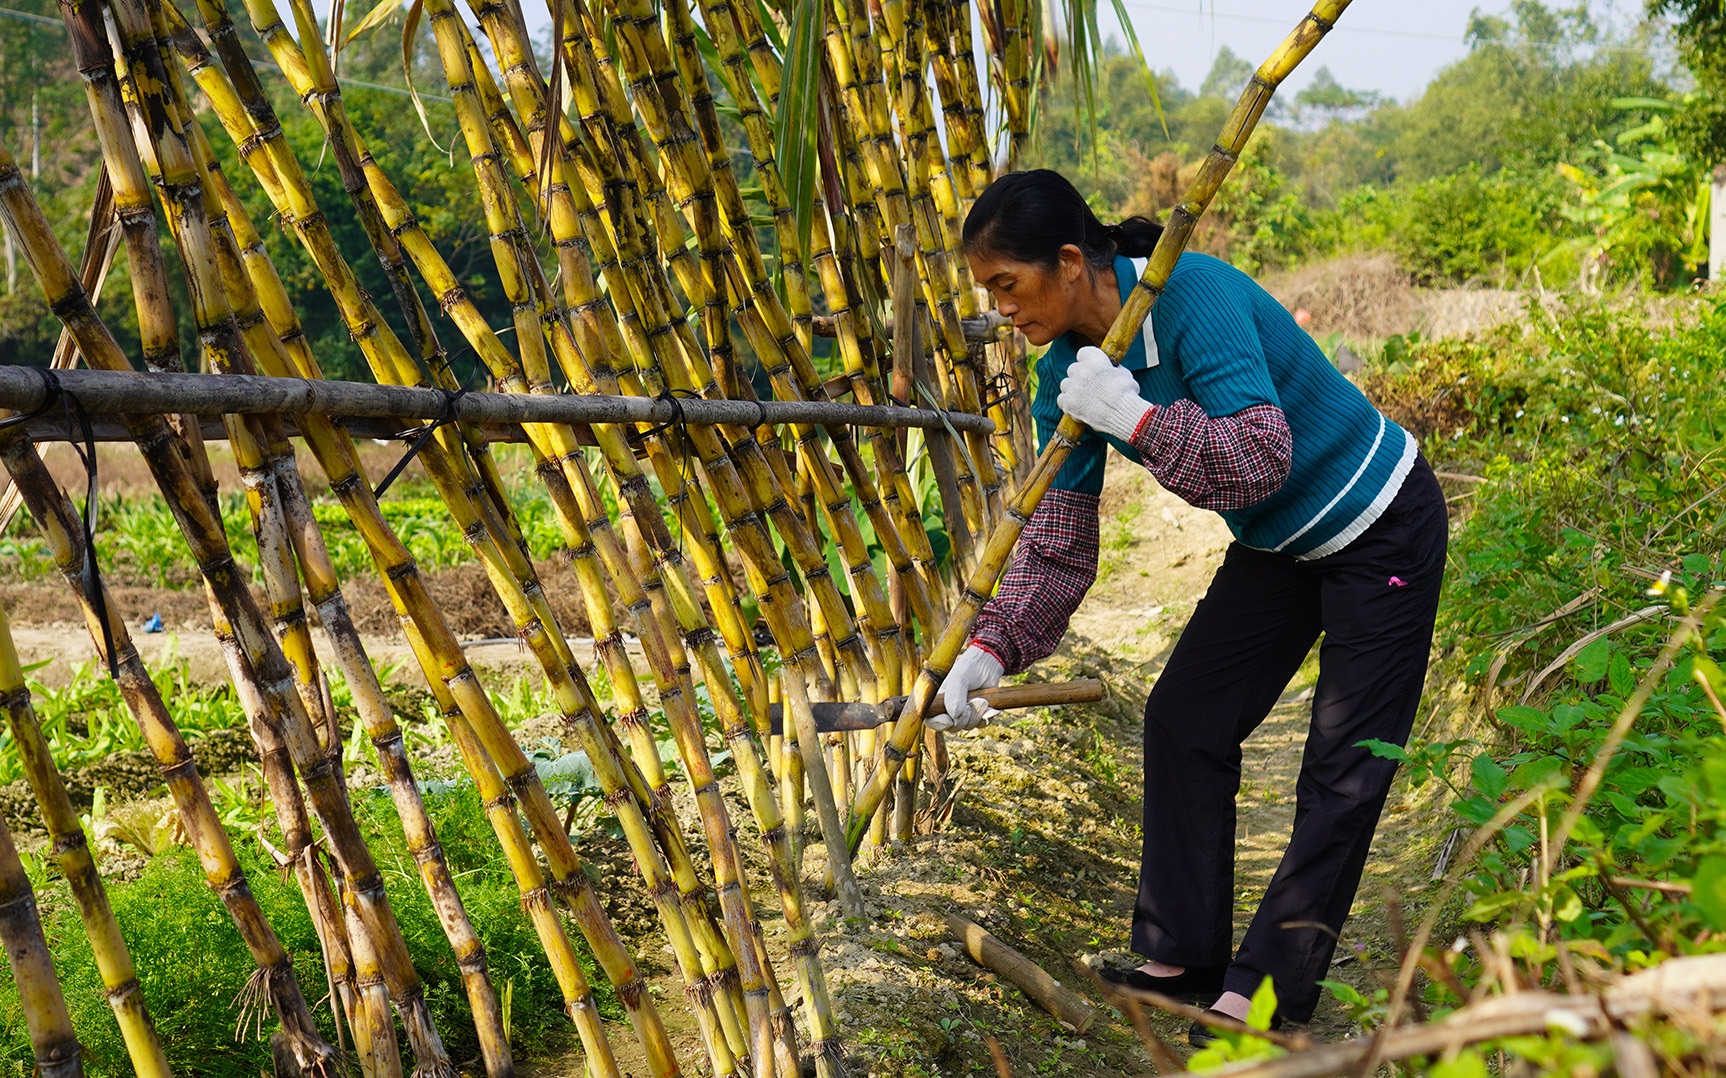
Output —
<point x="1222" y="342"/>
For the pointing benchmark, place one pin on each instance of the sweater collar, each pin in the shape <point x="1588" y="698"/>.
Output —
<point x="1142" y="353"/>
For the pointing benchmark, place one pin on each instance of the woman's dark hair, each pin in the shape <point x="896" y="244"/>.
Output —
<point x="1030" y="216"/>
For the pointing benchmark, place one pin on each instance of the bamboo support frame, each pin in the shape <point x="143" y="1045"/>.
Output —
<point x="778" y="490"/>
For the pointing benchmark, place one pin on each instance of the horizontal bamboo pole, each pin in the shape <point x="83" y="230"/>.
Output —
<point x="984" y="327"/>
<point x="24" y="389"/>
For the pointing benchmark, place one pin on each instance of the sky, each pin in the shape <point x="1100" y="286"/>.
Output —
<point x="1392" y="47"/>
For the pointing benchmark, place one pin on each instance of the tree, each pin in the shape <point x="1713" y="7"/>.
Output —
<point x="1326" y="101"/>
<point x="1532" y="86"/>
<point x="1228" y="76"/>
<point x="1700" y="27"/>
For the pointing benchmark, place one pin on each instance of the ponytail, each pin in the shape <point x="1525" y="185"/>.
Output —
<point x="1135" y="237"/>
<point x="1030" y="216"/>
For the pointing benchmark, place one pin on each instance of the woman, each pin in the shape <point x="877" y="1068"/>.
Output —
<point x="1339" y="529"/>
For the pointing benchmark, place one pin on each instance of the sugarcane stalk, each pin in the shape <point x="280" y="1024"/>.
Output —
<point x="970" y="94"/>
<point x="497" y="740"/>
<point x="679" y="709"/>
<point x="133" y="210"/>
<point x="335" y="453"/>
<point x="24" y="219"/>
<point x="1138" y="304"/>
<point x="546" y="818"/>
<point x="52" y="1041"/>
<point x="72" y="852"/>
<point x="254" y="653"/>
<point x="772" y="339"/>
<point x="537" y="893"/>
<point x="736" y="730"/>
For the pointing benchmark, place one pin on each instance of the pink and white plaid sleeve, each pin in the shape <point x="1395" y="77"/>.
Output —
<point x="1054" y="564"/>
<point x="1217" y="464"/>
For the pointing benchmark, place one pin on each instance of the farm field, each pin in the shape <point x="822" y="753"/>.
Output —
<point x="1042" y="846"/>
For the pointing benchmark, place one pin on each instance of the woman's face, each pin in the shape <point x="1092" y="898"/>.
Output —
<point x="1040" y="301"/>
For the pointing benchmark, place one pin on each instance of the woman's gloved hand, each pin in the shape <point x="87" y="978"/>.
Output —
<point x="1102" y="396"/>
<point x="974" y="669"/>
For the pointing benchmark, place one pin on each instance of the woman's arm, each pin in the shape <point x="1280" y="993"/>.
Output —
<point x="1217" y="463"/>
<point x="1054" y="564"/>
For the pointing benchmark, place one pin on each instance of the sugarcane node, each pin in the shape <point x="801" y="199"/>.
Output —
<point x="122" y="991"/>
<point x="185" y="769"/>
<point x="71" y="840"/>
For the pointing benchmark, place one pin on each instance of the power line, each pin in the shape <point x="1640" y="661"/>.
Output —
<point x="25" y="16"/>
<point x="1379" y="31"/>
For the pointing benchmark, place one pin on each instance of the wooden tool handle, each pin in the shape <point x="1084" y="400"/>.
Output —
<point x="1050" y="694"/>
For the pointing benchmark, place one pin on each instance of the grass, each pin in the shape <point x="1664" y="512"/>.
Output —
<point x="191" y="962"/>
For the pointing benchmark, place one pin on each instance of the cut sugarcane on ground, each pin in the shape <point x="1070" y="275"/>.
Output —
<point x="1042" y="848"/>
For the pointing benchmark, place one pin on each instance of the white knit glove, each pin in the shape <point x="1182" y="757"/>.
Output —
<point x="974" y="669"/>
<point x="1102" y="396"/>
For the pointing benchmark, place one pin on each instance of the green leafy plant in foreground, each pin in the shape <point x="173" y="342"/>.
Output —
<point x="86" y="722"/>
<point x="1600" y="778"/>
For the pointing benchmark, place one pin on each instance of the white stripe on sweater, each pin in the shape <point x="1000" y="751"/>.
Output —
<point x="1373" y="511"/>
<point x="1332" y="546"/>
<point x="1151" y="357"/>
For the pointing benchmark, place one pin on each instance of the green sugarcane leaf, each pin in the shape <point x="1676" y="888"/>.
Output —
<point x="799" y="114"/>
<point x="1138" y="52"/>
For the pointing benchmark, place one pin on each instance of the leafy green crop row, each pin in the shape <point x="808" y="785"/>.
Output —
<point x="86" y="722"/>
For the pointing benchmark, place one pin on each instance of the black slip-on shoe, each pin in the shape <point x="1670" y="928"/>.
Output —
<point x="1199" y="1034"/>
<point x="1195" y="984"/>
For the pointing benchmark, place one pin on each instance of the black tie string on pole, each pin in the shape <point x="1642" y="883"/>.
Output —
<point x="83" y="441"/>
<point x="451" y="397"/>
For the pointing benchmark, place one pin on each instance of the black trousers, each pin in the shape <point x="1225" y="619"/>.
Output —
<point x="1375" y="602"/>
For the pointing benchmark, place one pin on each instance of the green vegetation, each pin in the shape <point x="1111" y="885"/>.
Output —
<point x="1592" y="529"/>
<point x="191" y="961"/>
<point x="1553" y="147"/>
<point x="86" y="722"/>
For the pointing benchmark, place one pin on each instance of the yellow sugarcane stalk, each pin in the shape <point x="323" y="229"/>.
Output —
<point x="52" y="1041"/>
<point x="1212" y="173"/>
<point x="23" y="217"/>
<point x="72" y="851"/>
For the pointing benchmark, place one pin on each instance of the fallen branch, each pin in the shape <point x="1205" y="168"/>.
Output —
<point x="1031" y="978"/>
<point x="1675" y="986"/>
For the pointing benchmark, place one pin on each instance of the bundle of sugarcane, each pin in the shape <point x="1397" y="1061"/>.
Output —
<point x="976" y="592"/>
<point x="871" y="201"/>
